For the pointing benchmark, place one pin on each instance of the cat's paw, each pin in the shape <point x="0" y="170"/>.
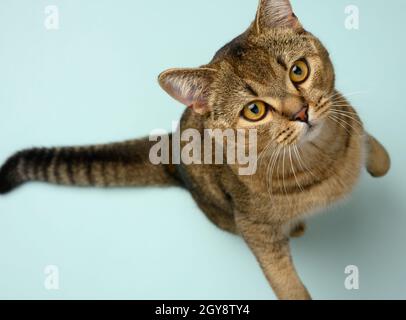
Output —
<point x="378" y="162"/>
<point x="298" y="231"/>
<point x="9" y="178"/>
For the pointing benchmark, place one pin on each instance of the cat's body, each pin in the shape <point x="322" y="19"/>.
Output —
<point x="312" y="144"/>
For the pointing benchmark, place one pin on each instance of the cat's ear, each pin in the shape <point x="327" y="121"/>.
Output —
<point x="189" y="86"/>
<point x="276" y="14"/>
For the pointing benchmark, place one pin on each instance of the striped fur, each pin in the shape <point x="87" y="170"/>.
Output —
<point x="113" y="165"/>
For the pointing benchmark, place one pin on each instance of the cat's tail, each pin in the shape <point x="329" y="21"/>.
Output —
<point x="113" y="165"/>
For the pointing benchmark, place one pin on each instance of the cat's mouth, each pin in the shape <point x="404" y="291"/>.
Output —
<point x="311" y="131"/>
<point x="311" y="127"/>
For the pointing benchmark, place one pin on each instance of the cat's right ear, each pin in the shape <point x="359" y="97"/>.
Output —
<point x="189" y="86"/>
<point x="276" y="14"/>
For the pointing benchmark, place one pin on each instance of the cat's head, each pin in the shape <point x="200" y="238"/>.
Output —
<point x="276" y="77"/>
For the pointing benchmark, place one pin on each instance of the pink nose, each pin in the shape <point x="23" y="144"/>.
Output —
<point x="302" y="115"/>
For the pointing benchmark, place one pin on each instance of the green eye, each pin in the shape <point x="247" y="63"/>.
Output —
<point x="299" y="72"/>
<point x="256" y="111"/>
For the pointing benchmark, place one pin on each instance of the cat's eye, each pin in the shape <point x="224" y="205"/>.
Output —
<point x="299" y="72"/>
<point x="255" y="111"/>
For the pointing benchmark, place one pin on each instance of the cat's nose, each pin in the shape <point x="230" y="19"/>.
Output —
<point x="302" y="115"/>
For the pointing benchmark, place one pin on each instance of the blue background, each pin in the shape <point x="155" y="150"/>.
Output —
<point x="94" y="81"/>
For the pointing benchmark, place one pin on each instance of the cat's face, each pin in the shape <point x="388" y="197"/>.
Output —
<point x="276" y="78"/>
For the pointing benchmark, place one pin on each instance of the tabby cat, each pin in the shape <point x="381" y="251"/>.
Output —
<point x="276" y="78"/>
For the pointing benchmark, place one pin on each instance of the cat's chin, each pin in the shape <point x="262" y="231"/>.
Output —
<point x="311" y="132"/>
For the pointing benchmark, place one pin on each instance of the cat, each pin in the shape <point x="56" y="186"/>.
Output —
<point x="276" y="78"/>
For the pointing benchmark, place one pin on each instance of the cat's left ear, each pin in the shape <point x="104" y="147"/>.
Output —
<point x="276" y="14"/>
<point x="189" y="86"/>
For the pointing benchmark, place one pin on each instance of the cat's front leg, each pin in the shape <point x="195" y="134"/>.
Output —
<point x="271" y="248"/>
<point x="378" y="160"/>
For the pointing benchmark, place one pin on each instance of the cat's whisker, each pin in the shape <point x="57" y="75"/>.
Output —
<point x="295" y="151"/>
<point x="263" y="155"/>
<point x="270" y="169"/>
<point x="303" y="168"/>
<point x="298" y="157"/>
<point x="272" y="166"/>
<point x="341" y="107"/>
<point x="338" y="121"/>
<point x="331" y="97"/>
<point x="345" y="122"/>
<point x="339" y="94"/>
<point x="283" y="171"/>
<point x="271" y="151"/>
<point x="275" y="165"/>
<point x="350" y="116"/>
<point x="343" y="111"/>
<point x="264" y="152"/>
<point x="268" y="164"/>
<point x="267" y="171"/>
<point x="347" y="116"/>
<point x="353" y="94"/>
<point x="335" y="104"/>
<point x="293" y="169"/>
<point x="302" y="162"/>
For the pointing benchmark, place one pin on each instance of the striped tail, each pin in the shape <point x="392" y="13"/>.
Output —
<point x="114" y="165"/>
